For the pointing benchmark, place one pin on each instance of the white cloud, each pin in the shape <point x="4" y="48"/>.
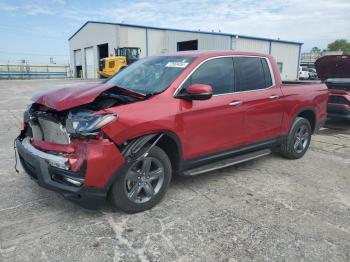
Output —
<point x="315" y="23"/>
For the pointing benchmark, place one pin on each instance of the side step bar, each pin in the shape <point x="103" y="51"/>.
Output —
<point x="226" y="162"/>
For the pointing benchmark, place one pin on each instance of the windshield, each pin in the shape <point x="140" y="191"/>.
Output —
<point x="132" y="53"/>
<point x="151" y="75"/>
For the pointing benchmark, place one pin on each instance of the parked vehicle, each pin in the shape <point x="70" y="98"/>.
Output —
<point x="303" y="74"/>
<point x="312" y="74"/>
<point x="124" y="56"/>
<point x="334" y="70"/>
<point x="187" y="113"/>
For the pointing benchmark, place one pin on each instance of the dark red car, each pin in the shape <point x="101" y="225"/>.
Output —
<point x="187" y="113"/>
<point x="334" y="70"/>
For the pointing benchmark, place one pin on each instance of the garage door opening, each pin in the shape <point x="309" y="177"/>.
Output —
<point x="77" y="62"/>
<point x="78" y="71"/>
<point x="102" y="51"/>
<point x="187" y="45"/>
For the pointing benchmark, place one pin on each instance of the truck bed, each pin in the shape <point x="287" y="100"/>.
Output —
<point x="293" y="83"/>
<point x="338" y="83"/>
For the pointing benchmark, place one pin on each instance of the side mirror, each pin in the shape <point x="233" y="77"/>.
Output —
<point x="196" y="92"/>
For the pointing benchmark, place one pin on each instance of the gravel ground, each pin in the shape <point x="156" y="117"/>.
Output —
<point x="270" y="209"/>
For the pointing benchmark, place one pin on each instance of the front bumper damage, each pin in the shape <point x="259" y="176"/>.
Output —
<point x="85" y="184"/>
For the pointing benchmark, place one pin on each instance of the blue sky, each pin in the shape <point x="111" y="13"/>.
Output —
<point x="37" y="29"/>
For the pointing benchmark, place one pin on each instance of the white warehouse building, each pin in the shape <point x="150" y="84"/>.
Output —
<point x="96" y="40"/>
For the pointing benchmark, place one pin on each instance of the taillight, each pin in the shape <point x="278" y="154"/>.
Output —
<point x="22" y="125"/>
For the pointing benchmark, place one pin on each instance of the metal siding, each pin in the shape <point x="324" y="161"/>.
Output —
<point x="77" y="57"/>
<point x="288" y="54"/>
<point x="156" y="42"/>
<point x="159" y="41"/>
<point x="133" y="37"/>
<point x="205" y="41"/>
<point x="180" y="30"/>
<point x="251" y="45"/>
<point x="92" y="35"/>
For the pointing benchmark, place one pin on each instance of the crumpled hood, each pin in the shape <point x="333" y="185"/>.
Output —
<point x="333" y="66"/>
<point x="71" y="96"/>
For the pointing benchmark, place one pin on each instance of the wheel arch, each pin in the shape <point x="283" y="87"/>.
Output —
<point x="171" y="145"/>
<point x="310" y="115"/>
<point x="167" y="141"/>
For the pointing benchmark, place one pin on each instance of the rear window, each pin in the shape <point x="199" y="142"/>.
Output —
<point x="254" y="73"/>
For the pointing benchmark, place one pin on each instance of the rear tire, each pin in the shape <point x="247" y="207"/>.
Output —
<point x="298" y="139"/>
<point x="144" y="183"/>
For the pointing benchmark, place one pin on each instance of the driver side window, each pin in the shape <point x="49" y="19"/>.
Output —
<point x="217" y="72"/>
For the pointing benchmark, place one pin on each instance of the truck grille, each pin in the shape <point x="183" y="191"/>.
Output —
<point x="50" y="131"/>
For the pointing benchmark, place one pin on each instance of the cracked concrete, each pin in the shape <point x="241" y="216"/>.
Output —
<point x="269" y="209"/>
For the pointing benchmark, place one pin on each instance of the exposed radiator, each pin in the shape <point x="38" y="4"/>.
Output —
<point x="50" y="131"/>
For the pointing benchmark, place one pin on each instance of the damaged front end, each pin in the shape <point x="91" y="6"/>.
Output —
<point x="67" y="151"/>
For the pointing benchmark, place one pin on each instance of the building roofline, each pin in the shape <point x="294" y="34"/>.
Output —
<point x="187" y="31"/>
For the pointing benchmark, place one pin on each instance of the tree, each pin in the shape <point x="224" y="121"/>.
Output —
<point x="315" y="50"/>
<point x="340" y="45"/>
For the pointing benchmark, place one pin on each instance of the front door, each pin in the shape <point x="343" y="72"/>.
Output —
<point x="212" y="125"/>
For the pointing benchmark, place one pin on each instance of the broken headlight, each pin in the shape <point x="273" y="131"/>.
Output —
<point x="87" y="123"/>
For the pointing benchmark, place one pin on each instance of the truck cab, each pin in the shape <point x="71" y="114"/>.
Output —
<point x="123" y="57"/>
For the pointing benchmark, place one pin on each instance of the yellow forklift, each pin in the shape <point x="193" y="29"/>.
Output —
<point x="124" y="56"/>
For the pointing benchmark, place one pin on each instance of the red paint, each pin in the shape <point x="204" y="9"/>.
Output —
<point x="202" y="127"/>
<point x="101" y="156"/>
<point x="74" y="95"/>
<point x="210" y="126"/>
<point x="198" y="89"/>
<point x="333" y="66"/>
<point x="47" y="146"/>
<point x="103" y="159"/>
<point x="22" y="126"/>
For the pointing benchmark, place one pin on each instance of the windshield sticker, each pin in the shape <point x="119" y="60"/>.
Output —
<point x="176" y="64"/>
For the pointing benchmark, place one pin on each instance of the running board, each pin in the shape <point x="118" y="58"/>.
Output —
<point x="226" y="162"/>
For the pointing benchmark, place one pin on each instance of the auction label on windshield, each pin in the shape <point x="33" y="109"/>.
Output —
<point x="176" y="64"/>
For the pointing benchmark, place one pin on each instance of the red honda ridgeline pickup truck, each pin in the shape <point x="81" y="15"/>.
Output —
<point x="187" y="113"/>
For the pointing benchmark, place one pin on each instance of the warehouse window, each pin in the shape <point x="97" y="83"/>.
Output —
<point x="218" y="73"/>
<point x="280" y="67"/>
<point x="111" y="64"/>
<point x="253" y="73"/>
<point x="187" y="45"/>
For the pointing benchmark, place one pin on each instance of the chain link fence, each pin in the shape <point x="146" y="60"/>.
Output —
<point x="34" y="71"/>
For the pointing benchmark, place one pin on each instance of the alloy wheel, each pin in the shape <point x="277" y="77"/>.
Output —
<point x="144" y="179"/>
<point x="301" y="139"/>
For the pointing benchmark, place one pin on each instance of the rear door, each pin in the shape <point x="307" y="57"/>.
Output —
<point x="212" y="125"/>
<point x="261" y="99"/>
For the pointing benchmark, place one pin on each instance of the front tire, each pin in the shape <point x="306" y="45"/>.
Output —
<point x="144" y="183"/>
<point x="298" y="139"/>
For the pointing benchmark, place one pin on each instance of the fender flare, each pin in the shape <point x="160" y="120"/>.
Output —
<point x="135" y="145"/>
<point x="298" y="113"/>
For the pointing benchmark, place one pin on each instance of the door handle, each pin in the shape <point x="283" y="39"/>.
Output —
<point x="274" y="97"/>
<point x="235" y="103"/>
